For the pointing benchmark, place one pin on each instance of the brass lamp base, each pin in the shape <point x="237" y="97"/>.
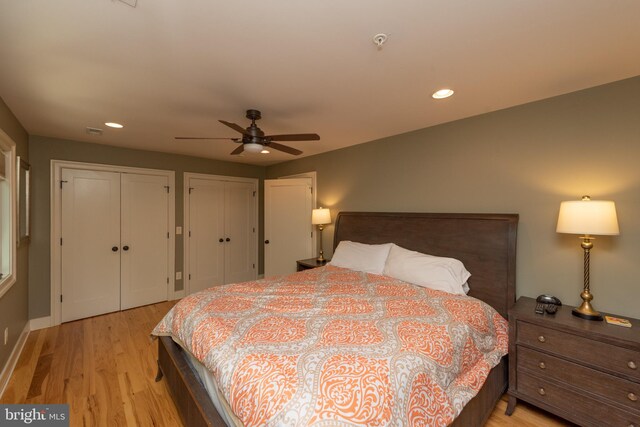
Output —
<point x="321" y="253"/>
<point x="586" y="310"/>
<point x="579" y="311"/>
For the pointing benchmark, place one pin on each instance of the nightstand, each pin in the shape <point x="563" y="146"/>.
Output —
<point x="585" y="371"/>
<point x="307" y="264"/>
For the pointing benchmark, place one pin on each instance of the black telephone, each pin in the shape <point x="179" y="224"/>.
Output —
<point x="547" y="303"/>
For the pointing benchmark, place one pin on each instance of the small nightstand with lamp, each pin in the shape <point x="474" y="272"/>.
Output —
<point x="586" y="372"/>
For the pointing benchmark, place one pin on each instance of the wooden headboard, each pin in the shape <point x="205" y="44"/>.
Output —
<point x="485" y="243"/>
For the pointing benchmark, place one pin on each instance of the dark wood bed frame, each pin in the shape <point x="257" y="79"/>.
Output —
<point x="485" y="243"/>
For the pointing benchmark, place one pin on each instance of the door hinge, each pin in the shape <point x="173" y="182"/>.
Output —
<point x="190" y="189"/>
<point x="167" y="187"/>
<point x="254" y="194"/>
<point x="61" y="241"/>
<point x="60" y="297"/>
<point x="189" y="233"/>
<point x="62" y="182"/>
<point x="189" y="276"/>
<point x="167" y="280"/>
<point x="167" y="235"/>
<point x="254" y="229"/>
<point x="254" y="266"/>
<point x="312" y="234"/>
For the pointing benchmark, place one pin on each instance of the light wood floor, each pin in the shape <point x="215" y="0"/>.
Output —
<point x="105" y="367"/>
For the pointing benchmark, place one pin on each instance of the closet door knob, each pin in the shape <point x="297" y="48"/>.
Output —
<point x="125" y="248"/>
<point x="266" y="242"/>
<point x="228" y="239"/>
<point x="221" y="240"/>
<point x="114" y="249"/>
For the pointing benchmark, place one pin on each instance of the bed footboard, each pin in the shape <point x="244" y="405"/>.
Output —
<point x="192" y="401"/>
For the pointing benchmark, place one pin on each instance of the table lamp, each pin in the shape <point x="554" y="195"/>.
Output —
<point x="321" y="217"/>
<point x="588" y="218"/>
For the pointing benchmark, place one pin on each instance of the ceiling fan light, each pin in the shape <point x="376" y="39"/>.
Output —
<point x="252" y="147"/>
<point x="265" y="151"/>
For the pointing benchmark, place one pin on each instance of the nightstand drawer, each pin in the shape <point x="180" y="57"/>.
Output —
<point x="583" y="410"/>
<point x="610" y="387"/>
<point x="609" y="357"/>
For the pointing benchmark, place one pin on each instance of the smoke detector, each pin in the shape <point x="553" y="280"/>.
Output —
<point x="380" y="39"/>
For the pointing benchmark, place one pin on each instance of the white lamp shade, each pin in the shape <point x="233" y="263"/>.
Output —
<point x="321" y="216"/>
<point x="588" y="217"/>
<point x="253" y="148"/>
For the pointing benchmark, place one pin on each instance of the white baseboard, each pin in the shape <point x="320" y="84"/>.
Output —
<point x="40" y="323"/>
<point x="5" y="376"/>
<point x="177" y="295"/>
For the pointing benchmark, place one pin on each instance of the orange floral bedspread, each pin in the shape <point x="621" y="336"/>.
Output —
<point x="332" y="346"/>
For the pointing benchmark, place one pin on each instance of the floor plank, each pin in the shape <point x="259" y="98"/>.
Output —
<point x="104" y="367"/>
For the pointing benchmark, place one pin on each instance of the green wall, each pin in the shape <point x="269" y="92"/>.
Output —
<point x="43" y="150"/>
<point x="14" y="304"/>
<point x="526" y="160"/>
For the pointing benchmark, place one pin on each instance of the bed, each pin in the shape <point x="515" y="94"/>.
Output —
<point x="485" y="243"/>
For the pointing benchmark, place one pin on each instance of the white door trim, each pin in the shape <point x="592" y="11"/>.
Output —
<point x="314" y="194"/>
<point x="56" y="206"/>
<point x="187" y="176"/>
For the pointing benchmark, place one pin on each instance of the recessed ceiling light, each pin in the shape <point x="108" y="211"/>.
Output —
<point x="442" y="93"/>
<point x="114" y="125"/>
<point x="264" y="151"/>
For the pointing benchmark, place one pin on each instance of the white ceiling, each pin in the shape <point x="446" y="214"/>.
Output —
<point x="169" y="68"/>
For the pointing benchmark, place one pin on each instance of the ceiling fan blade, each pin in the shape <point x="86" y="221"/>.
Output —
<point x="238" y="150"/>
<point x="284" y="148"/>
<point x="295" y="137"/>
<point x="233" y="126"/>
<point x="200" y="137"/>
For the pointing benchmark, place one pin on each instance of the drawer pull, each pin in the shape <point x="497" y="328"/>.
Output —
<point x="632" y="397"/>
<point x="632" y="365"/>
<point x="541" y="391"/>
<point x="541" y="338"/>
<point x="541" y="365"/>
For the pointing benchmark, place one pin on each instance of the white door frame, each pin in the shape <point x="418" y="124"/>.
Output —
<point x="56" y="219"/>
<point x="314" y="200"/>
<point x="187" y="176"/>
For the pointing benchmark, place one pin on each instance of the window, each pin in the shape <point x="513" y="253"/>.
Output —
<point x="7" y="213"/>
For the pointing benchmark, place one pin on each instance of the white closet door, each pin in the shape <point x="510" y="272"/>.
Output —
<point x="145" y="249"/>
<point x="239" y="256"/>
<point x="287" y="224"/>
<point x="206" y="228"/>
<point x="90" y="243"/>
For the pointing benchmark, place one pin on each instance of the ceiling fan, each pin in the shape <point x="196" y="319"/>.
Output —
<point x="255" y="141"/>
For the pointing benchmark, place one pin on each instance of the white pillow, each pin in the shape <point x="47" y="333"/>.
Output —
<point x="444" y="274"/>
<point x="360" y="256"/>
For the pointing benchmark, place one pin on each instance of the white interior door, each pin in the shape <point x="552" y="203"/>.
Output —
<point x="90" y="243"/>
<point x="240" y="232"/>
<point x="145" y="249"/>
<point x="287" y="224"/>
<point x="206" y="230"/>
